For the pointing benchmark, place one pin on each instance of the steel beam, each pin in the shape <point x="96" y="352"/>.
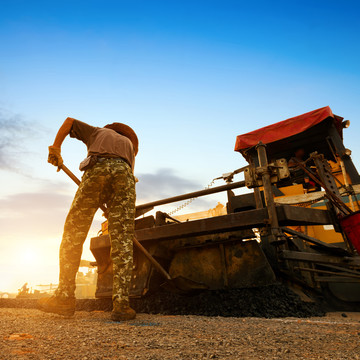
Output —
<point x="287" y="215"/>
<point x="191" y="195"/>
<point x="334" y="249"/>
<point x="218" y="224"/>
<point x="265" y="173"/>
<point x="321" y="259"/>
<point x="296" y="215"/>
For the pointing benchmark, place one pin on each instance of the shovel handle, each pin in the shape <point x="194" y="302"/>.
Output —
<point x="70" y="174"/>
<point x="151" y="259"/>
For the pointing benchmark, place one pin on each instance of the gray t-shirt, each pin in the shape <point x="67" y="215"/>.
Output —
<point x="104" y="142"/>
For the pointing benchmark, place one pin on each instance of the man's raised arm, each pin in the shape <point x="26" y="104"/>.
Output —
<point x="55" y="149"/>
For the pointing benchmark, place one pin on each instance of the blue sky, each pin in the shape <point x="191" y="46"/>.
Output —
<point x="188" y="76"/>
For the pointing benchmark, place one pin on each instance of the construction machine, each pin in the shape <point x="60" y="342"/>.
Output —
<point x="292" y="225"/>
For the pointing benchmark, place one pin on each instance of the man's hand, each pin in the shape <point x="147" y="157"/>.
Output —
<point x="55" y="157"/>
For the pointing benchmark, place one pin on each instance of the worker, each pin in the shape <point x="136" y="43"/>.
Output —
<point x="299" y="174"/>
<point x="108" y="179"/>
<point x="24" y="289"/>
<point x="298" y="157"/>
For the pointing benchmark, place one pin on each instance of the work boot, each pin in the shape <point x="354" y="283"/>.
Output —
<point x="57" y="305"/>
<point x="122" y="313"/>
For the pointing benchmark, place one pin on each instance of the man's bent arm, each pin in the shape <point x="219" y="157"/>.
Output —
<point x="63" y="132"/>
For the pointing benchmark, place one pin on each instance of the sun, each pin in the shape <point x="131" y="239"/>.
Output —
<point x="28" y="256"/>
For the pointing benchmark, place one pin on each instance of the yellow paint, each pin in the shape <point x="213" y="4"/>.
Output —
<point x="292" y="190"/>
<point x="104" y="228"/>
<point x="218" y="210"/>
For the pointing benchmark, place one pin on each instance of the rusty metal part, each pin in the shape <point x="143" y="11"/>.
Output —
<point x="327" y="182"/>
<point x="336" y="200"/>
<point x="265" y="173"/>
<point x="178" y="283"/>
<point x="346" y="182"/>
<point x="229" y="176"/>
<point x="318" y="271"/>
<point x="320" y="258"/>
<point x="278" y="170"/>
<point x="236" y="264"/>
<point x="257" y="194"/>
<point x="347" y="270"/>
<point x="328" y="247"/>
<point x="162" y="216"/>
<point x="288" y="216"/>
<point x="336" y="279"/>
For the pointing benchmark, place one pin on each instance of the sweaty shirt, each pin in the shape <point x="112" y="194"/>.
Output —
<point x="104" y="142"/>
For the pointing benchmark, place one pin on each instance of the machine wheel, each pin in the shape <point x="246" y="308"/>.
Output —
<point x="342" y="296"/>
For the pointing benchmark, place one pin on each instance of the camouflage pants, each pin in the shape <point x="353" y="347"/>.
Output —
<point x="111" y="182"/>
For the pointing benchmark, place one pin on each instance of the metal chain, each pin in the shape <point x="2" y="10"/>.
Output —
<point x="309" y="203"/>
<point x="188" y="202"/>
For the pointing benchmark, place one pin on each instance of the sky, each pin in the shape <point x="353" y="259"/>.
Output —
<point x="188" y="76"/>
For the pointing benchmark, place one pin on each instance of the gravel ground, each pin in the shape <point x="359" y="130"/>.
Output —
<point x="31" y="334"/>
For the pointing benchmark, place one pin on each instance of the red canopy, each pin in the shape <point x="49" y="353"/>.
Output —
<point x="285" y="128"/>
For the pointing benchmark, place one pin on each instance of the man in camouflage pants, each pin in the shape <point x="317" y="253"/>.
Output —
<point x="108" y="179"/>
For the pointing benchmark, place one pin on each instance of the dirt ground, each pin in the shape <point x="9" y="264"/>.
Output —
<point x="31" y="334"/>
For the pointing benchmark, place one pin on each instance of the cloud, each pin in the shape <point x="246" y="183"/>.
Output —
<point x="39" y="214"/>
<point x="163" y="183"/>
<point x="166" y="183"/>
<point x="14" y="132"/>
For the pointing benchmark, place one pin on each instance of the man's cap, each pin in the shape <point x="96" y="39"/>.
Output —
<point x="127" y="131"/>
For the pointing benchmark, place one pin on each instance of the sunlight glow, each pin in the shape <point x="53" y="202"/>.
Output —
<point x="28" y="257"/>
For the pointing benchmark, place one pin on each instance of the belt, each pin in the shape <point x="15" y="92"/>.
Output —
<point x="101" y="159"/>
